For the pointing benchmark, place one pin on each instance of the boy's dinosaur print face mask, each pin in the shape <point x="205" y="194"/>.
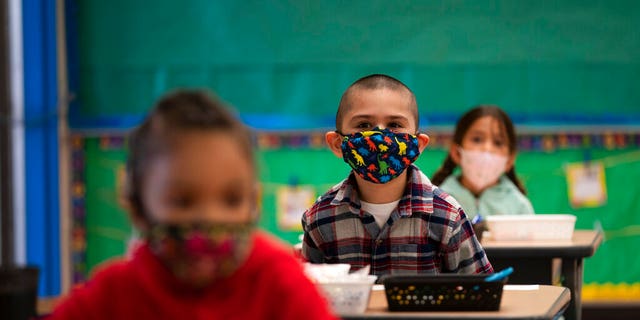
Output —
<point x="379" y="155"/>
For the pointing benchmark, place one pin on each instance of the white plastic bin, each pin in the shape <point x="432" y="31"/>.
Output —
<point x="531" y="227"/>
<point x="350" y="296"/>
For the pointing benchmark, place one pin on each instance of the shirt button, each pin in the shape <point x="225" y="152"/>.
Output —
<point x="378" y="241"/>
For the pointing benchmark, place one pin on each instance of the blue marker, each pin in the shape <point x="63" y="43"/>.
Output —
<point x="499" y="276"/>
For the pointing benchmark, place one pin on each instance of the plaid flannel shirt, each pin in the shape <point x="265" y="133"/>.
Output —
<point x="428" y="232"/>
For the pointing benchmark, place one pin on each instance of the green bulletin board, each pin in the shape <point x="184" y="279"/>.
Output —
<point x="107" y="225"/>
<point x="108" y="231"/>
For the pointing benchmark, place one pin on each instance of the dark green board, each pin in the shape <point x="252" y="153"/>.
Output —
<point x="543" y="61"/>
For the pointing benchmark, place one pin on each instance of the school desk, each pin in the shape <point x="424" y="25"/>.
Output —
<point x="532" y="262"/>
<point x="518" y="302"/>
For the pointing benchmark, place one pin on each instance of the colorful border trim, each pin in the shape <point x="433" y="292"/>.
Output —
<point x="546" y="142"/>
<point x="79" y="214"/>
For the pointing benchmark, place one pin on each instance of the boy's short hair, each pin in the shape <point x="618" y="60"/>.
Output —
<point x="372" y="82"/>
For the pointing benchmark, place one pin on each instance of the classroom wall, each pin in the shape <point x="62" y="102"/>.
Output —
<point x="559" y="68"/>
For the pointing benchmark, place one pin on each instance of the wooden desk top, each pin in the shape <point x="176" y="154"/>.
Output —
<point x="538" y="302"/>
<point x="583" y="244"/>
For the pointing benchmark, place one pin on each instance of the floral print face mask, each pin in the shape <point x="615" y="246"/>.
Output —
<point x="199" y="254"/>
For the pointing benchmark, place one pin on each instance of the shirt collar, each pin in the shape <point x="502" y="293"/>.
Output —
<point x="347" y="194"/>
<point x="416" y="194"/>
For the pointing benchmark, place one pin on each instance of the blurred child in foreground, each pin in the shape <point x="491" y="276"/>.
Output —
<point x="191" y="192"/>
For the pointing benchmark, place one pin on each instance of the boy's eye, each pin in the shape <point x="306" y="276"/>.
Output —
<point x="363" y="125"/>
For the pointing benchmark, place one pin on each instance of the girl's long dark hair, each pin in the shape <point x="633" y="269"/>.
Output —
<point x="448" y="166"/>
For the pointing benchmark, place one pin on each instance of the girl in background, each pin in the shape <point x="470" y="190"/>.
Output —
<point x="484" y="147"/>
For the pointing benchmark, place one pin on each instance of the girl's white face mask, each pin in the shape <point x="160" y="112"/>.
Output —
<point x="482" y="168"/>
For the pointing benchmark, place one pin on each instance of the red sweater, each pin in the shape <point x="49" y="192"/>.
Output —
<point x="270" y="285"/>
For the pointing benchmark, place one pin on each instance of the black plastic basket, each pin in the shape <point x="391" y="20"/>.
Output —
<point x="442" y="292"/>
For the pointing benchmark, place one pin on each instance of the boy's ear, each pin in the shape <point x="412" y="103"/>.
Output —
<point x="334" y="141"/>
<point x="454" y="153"/>
<point x="423" y="141"/>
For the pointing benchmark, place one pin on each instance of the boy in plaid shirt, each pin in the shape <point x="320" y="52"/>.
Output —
<point x="386" y="213"/>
